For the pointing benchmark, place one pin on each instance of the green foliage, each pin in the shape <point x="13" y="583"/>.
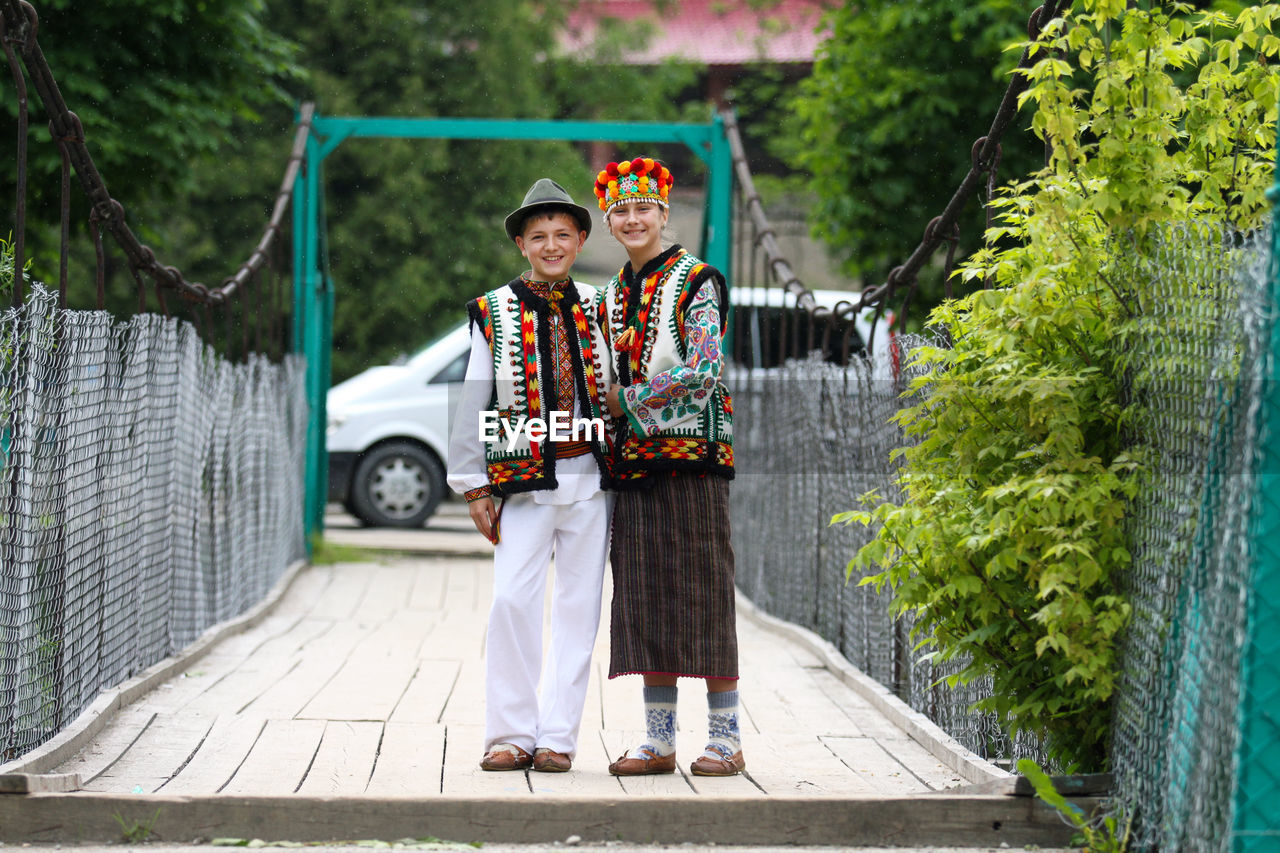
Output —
<point x="596" y="84"/>
<point x="415" y="226"/>
<point x="1006" y="540"/>
<point x="1100" y="833"/>
<point x="136" y="831"/>
<point x="158" y="86"/>
<point x="1009" y="539"/>
<point x="189" y="111"/>
<point x="884" y="125"/>
<point x="6" y="270"/>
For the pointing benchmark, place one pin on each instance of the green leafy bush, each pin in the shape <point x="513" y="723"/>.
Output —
<point x="1008" y="541"/>
<point x="6" y="270"/>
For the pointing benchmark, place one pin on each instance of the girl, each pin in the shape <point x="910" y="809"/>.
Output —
<point x="673" y="599"/>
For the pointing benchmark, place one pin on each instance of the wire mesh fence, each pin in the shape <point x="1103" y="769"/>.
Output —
<point x="813" y="436"/>
<point x="148" y="490"/>
<point x="1195" y="388"/>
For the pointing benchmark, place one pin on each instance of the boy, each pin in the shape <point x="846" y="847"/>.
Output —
<point x="530" y="432"/>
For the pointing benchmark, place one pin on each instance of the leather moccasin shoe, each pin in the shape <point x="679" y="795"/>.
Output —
<point x="719" y="766"/>
<point x="506" y="756"/>
<point x="550" y="761"/>
<point x="648" y="764"/>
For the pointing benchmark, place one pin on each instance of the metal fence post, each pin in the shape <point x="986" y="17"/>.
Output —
<point x="1255" y="821"/>
<point x="316" y="300"/>
<point x="717" y="230"/>
<point x="297" y="338"/>
<point x="309" y="333"/>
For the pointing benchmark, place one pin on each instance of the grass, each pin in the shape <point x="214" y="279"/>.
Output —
<point x="325" y="553"/>
<point x="136" y="831"/>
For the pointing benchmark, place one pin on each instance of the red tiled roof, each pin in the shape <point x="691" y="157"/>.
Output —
<point x="715" y="32"/>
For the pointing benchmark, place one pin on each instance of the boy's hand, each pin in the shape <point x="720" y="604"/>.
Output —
<point x="611" y="400"/>
<point x="484" y="515"/>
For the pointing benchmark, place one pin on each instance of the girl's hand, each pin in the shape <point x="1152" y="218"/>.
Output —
<point x="611" y="400"/>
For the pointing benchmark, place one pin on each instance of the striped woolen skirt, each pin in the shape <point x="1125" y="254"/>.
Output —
<point x="673" y="607"/>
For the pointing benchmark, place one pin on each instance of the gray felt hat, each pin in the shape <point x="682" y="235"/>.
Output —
<point x="546" y="193"/>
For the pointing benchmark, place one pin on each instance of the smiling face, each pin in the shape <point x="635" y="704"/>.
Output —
<point x="551" y="242"/>
<point x="638" y="225"/>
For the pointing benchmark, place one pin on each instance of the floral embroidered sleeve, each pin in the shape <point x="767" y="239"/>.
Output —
<point x="682" y="392"/>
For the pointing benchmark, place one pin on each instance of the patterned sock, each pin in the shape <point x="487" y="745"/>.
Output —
<point x="723" y="737"/>
<point x="659" y="722"/>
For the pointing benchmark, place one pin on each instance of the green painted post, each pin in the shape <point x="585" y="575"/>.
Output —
<point x="324" y="368"/>
<point x="717" y="227"/>
<point x="337" y="130"/>
<point x="314" y="344"/>
<point x="1255" y="821"/>
<point x="301" y="220"/>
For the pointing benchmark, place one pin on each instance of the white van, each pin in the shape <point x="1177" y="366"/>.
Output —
<point x="388" y="434"/>
<point x="388" y="431"/>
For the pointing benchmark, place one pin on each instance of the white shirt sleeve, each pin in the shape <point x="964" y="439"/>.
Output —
<point x="466" y="465"/>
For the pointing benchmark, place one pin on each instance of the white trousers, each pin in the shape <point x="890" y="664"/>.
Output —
<point x="516" y="710"/>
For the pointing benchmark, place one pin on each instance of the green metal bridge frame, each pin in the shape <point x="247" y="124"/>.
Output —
<point x="313" y="285"/>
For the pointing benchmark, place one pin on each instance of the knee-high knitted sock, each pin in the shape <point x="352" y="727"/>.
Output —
<point x="723" y="736"/>
<point x="659" y="721"/>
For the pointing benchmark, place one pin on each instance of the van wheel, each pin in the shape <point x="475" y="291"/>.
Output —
<point x="397" y="484"/>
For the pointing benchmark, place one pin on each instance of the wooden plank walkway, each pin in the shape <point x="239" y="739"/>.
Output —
<point x="350" y="706"/>
<point x="367" y="678"/>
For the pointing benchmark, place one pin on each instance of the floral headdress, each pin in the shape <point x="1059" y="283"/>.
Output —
<point x="641" y="179"/>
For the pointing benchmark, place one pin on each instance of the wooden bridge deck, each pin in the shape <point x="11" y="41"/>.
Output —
<point x="364" y="684"/>
<point x="368" y="679"/>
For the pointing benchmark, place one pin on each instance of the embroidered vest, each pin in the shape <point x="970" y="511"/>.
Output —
<point x="516" y="324"/>
<point x="701" y="441"/>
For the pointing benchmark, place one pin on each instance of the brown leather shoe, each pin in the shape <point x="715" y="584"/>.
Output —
<point x="505" y="756"/>
<point x="549" y="761"/>
<point x="708" y="766"/>
<point x="651" y="764"/>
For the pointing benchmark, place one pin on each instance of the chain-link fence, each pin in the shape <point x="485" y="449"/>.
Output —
<point x="148" y="490"/>
<point x="1194" y="387"/>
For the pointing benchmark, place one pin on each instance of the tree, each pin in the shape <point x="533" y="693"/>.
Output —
<point x="194" y="140"/>
<point x="415" y="226"/>
<point x="884" y="125"/>
<point x="158" y="86"/>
